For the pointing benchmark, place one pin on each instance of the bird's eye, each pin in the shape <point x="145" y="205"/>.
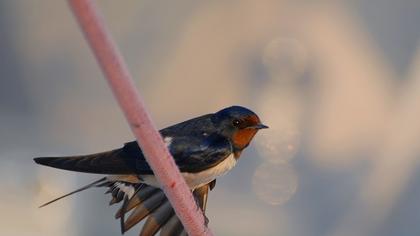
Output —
<point x="236" y="122"/>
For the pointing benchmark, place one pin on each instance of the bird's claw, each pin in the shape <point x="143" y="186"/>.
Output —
<point x="198" y="208"/>
<point x="206" y="220"/>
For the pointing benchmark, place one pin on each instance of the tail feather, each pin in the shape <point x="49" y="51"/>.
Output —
<point x="94" y="184"/>
<point x="157" y="219"/>
<point x="144" y="202"/>
<point x="144" y="209"/>
<point x="141" y="194"/>
<point x="172" y="227"/>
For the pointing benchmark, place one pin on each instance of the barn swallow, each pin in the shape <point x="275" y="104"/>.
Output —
<point x="203" y="148"/>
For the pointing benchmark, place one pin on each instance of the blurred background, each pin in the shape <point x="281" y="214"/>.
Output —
<point x="338" y="82"/>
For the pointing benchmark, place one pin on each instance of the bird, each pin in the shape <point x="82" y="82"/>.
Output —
<point x="204" y="148"/>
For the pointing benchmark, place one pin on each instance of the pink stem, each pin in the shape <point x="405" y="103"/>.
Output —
<point x="154" y="149"/>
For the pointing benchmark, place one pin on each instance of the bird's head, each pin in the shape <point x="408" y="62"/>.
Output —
<point x="239" y="124"/>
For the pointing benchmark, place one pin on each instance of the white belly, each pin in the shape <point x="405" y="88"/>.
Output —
<point x="195" y="180"/>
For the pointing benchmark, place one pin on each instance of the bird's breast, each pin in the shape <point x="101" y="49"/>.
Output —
<point x="198" y="179"/>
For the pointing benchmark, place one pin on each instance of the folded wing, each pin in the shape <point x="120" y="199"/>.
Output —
<point x="191" y="154"/>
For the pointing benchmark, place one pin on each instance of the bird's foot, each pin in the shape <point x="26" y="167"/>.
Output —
<point x="199" y="208"/>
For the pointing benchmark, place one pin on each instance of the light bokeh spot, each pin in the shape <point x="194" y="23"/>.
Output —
<point x="275" y="184"/>
<point x="277" y="145"/>
<point x="281" y="111"/>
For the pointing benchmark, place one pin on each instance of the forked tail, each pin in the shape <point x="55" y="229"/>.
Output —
<point x="144" y="202"/>
<point x="94" y="184"/>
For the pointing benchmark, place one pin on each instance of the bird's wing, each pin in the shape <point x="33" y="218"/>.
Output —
<point x="191" y="154"/>
<point x="199" y="153"/>
<point x="110" y="162"/>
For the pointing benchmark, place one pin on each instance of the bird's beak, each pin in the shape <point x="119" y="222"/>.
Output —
<point x="259" y="126"/>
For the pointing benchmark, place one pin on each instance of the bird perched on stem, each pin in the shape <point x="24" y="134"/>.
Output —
<point x="203" y="148"/>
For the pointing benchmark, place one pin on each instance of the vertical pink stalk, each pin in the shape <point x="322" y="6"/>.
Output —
<point x="157" y="155"/>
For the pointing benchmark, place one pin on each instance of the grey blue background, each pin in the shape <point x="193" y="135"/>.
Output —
<point x="338" y="82"/>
